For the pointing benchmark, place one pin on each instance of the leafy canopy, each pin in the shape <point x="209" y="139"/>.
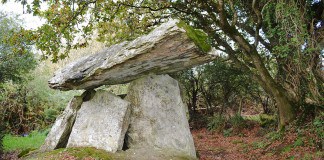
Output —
<point x="15" y="62"/>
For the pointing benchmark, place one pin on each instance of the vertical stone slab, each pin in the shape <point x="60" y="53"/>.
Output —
<point x="60" y="131"/>
<point x="158" y="115"/>
<point x="101" y="123"/>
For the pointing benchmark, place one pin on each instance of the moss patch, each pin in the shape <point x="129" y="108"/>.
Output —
<point x="67" y="153"/>
<point x="81" y="153"/>
<point x="199" y="37"/>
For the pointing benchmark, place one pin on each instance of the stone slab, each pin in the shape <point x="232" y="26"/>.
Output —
<point x="101" y="123"/>
<point x="60" y="131"/>
<point x="158" y="117"/>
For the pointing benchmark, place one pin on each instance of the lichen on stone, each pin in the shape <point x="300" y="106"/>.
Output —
<point x="199" y="37"/>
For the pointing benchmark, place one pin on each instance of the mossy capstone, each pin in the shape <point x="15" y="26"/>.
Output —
<point x="171" y="47"/>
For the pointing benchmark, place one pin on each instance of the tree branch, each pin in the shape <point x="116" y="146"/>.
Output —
<point x="252" y="32"/>
<point x="258" y="25"/>
<point x="234" y="20"/>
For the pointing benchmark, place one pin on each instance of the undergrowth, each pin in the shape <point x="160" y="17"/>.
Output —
<point x="216" y="123"/>
<point x="25" y="108"/>
<point x="228" y="126"/>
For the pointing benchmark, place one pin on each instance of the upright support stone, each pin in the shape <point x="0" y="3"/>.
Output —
<point x="101" y="123"/>
<point x="158" y="116"/>
<point x="60" y="132"/>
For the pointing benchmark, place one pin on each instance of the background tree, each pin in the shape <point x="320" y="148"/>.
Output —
<point x="228" y="86"/>
<point x="191" y="80"/>
<point x="13" y="64"/>
<point x="220" y="85"/>
<point x="242" y="23"/>
<point x="254" y="34"/>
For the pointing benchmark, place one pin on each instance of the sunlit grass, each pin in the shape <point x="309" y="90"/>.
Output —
<point x="32" y="141"/>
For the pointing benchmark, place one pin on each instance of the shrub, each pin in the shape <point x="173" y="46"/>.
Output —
<point x="268" y="121"/>
<point x="216" y="123"/>
<point x="237" y="123"/>
<point x="299" y="142"/>
<point x="227" y="132"/>
<point x="232" y="125"/>
<point x="17" y="114"/>
<point x="273" y="136"/>
<point x="198" y="121"/>
<point x="51" y="114"/>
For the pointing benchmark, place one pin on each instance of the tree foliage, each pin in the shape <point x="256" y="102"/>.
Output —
<point x="231" y="83"/>
<point x="279" y="42"/>
<point x="220" y="85"/>
<point x="13" y="64"/>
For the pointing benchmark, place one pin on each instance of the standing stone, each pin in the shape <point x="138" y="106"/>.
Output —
<point x="158" y="116"/>
<point x="101" y="123"/>
<point x="60" y="132"/>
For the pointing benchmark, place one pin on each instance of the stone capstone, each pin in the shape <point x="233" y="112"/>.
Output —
<point x="166" y="49"/>
<point x="158" y="117"/>
<point x="101" y="123"/>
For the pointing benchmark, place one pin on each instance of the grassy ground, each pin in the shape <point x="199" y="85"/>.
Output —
<point x="31" y="141"/>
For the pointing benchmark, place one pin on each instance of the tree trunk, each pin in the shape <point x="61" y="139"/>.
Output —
<point x="255" y="64"/>
<point x="194" y="101"/>
<point x="286" y="110"/>
<point x="282" y="97"/>
<point x="208" y="99"/>
<point x="265" y="105"/>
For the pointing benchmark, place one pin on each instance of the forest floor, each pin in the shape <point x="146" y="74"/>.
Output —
<point x="253" y="144"/>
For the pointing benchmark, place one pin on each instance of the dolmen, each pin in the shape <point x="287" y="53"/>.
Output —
<point x="152" y="118"/>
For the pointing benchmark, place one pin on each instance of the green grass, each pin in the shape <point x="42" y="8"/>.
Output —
<point x="32" y="141"/>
